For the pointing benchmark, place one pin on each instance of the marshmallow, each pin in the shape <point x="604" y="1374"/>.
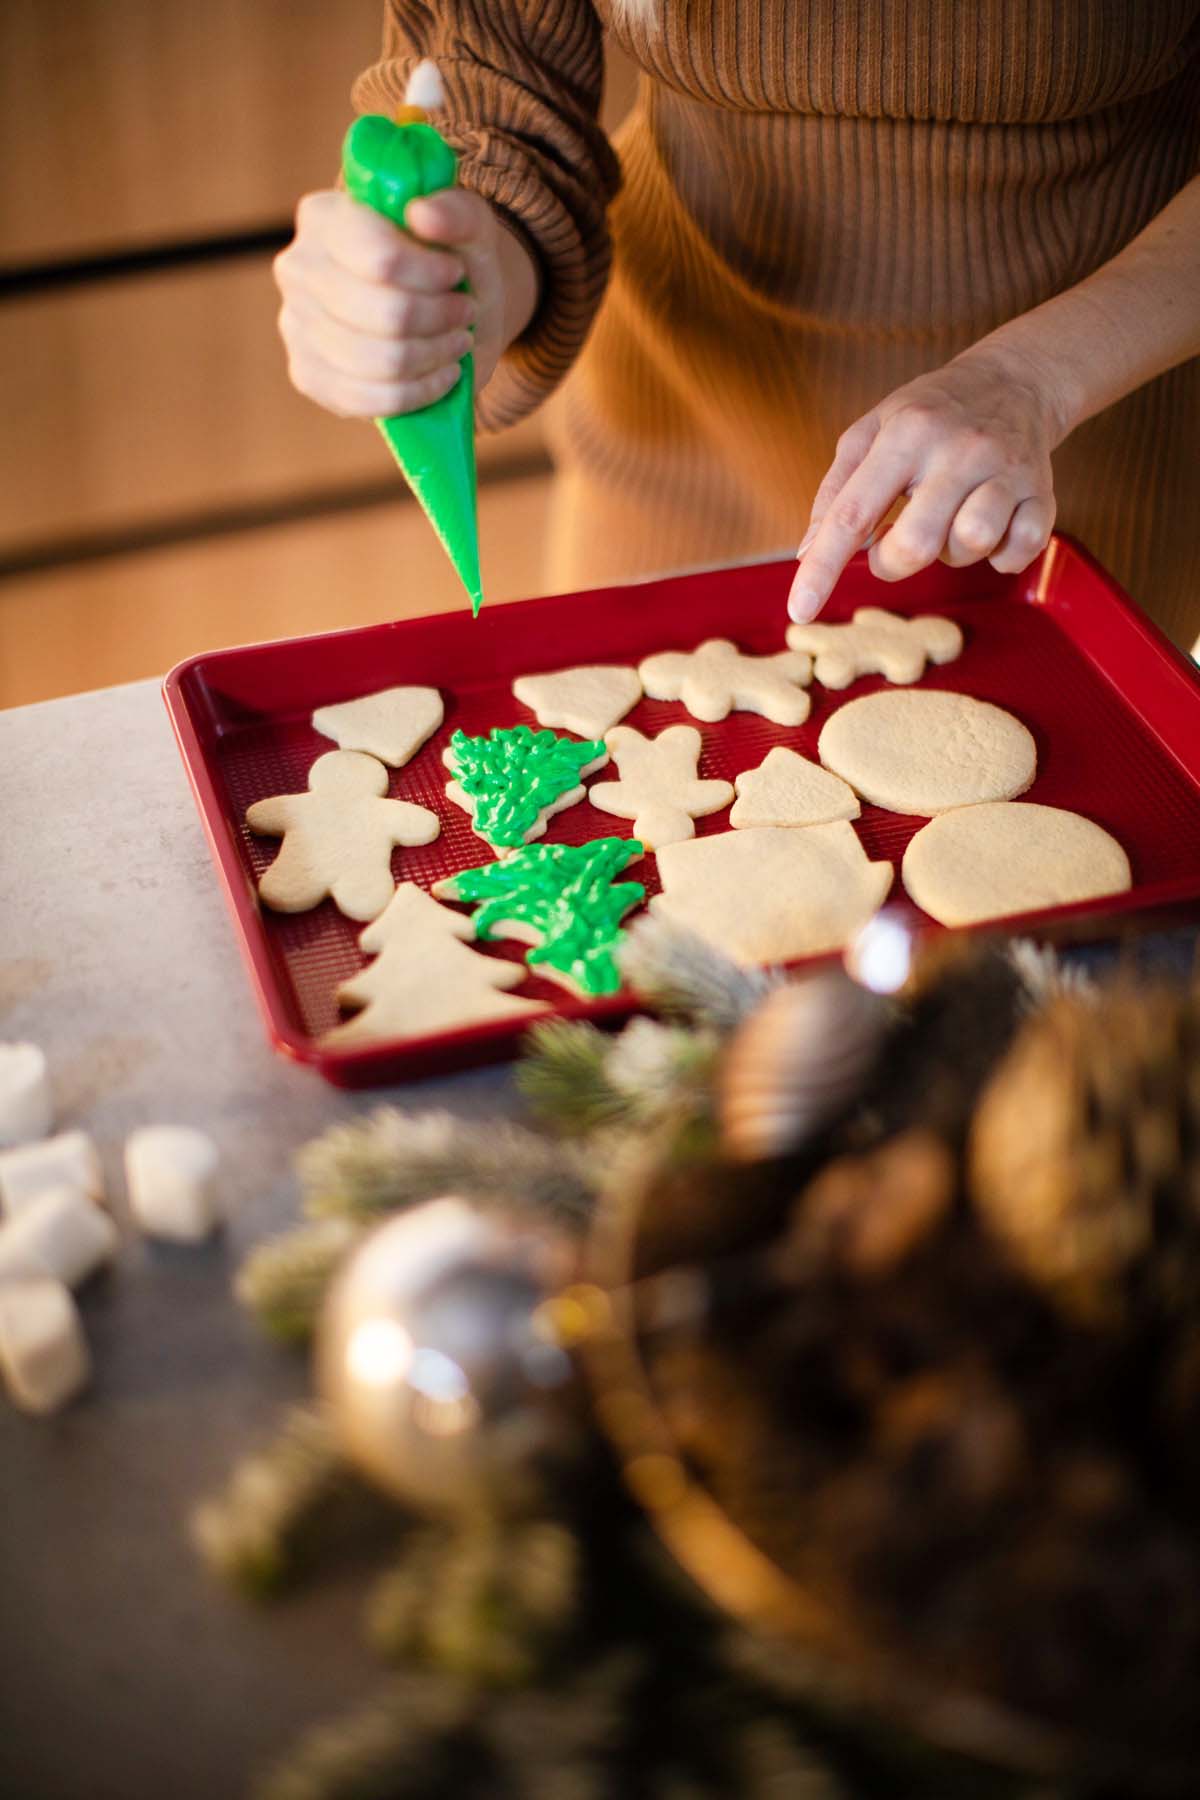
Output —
<point x="26" y="1108"/>
<point x="170" y="1171"/>
<point x="43" y="1356"/>
<point x="60" y="1233"/>
<point x="69" y="1160"/>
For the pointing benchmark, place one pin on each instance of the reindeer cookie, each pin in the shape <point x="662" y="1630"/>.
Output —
<point x="338" y="837"/>
<point x="718" y="679"/>
<point x="876" y="643"/>
<point x="658" y="788"/>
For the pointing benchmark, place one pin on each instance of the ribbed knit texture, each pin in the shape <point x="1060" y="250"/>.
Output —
<point x="819" y="202"/>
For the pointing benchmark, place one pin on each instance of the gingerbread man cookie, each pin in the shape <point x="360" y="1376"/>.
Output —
<point x="658" y="788"/>
<point x="876" y="643"/>
<point x="338" y="837"/>
<point x="718" y="679"/>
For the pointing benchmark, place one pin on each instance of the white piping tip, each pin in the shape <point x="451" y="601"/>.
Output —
<point x="425" y="87"/>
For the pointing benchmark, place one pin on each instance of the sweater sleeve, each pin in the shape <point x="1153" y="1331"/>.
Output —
<point x="523" y="80"/>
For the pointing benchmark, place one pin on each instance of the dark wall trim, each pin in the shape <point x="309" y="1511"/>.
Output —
<point x="118" y="265"/>
<point x="318" y="503"/>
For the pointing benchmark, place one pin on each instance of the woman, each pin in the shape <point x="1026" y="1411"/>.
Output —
<point x="851" y="252"/>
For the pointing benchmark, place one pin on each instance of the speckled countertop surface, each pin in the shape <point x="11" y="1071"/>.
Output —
<point x="125" y="1670"/>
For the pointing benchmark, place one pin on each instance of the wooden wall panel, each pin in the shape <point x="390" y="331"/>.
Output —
<point x="127" y="617"/>
<point x="130" y="403"/>
<point x="126" y="122"/>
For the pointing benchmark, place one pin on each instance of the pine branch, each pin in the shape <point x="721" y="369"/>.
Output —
<point x="410" y="1744"/>
<point x="564" y="1078"/>
<point x="660" y="1069"/>
<point x="677" y="971"/>
<point x="394" y="1159"/>
<point x="490" y="1601"/>
<point x="1044" y="975"/>
<point x="283" y="1281"/>
<point x="279" y="1506"/>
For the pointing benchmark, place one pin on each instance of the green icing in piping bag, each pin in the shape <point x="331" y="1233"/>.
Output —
<point x="386" y="166"/>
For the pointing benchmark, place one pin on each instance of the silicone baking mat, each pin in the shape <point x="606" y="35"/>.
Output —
<point x="1114" y="708"/>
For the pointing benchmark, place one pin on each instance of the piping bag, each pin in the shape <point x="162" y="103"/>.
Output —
<point x="386" y="164"/>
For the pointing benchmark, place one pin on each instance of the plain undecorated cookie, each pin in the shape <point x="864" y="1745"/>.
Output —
<point x="987" y="862"/>
<point x="772" y="894"/>
<point x="588" y="700"/>
<point x="718" y="679"/>
<point x="923" y="753"/>
<point x="876" y="642"/>
<point x="392" y="724"/>
<point x="658" y="787"/>
<point x="788" y="789"/>
<point x="338" y="838"/>
<point x="425" y="977"/>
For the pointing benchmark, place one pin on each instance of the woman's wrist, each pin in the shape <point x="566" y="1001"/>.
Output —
<point x="520" y="279"/>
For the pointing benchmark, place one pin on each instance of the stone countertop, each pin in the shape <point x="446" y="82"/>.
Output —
<point x="126" y="1671"/>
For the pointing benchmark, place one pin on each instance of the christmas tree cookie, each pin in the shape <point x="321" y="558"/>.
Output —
<point x="876" y="643"/>
<point x="718" y="679"/>
<point x="392" y="724"/>
<point x="659" y="789"/>
<point x="513" y="779"/>
<point x="561" y="898"/>
<point x="424" y="978"/>
<point x="338" y="838"/>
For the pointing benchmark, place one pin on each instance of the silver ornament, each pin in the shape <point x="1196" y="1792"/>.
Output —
<point x="445" y="1387"/>
<point x="798" y="1061"/>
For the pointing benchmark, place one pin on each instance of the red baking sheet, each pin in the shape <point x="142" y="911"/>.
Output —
<point x="1114" y="708"/>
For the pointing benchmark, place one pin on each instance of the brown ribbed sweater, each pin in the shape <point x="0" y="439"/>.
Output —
<point x="819" y="201"/>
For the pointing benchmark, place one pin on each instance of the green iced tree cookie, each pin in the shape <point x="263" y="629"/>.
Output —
<point x="562" y="896"/>
<point x="512" y="780"/>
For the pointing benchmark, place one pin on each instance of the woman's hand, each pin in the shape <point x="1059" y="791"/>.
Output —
<point x="370" y="318"/>
<point x="970" y="446"/>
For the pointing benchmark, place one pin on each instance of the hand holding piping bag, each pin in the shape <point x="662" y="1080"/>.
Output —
<point x="386" y="165"/>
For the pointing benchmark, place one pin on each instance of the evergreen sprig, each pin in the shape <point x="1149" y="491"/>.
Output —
<point x="685" y="976"/>
<point x="282" y="1506"/>
<point x="283" y="1281"/>
<point x="392" y="1160"/>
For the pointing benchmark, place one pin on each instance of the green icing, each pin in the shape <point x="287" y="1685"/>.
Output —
<point x="566" y="892"/>
<point x="514" y="774"/>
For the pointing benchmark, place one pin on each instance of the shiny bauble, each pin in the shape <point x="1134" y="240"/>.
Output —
<point x="445" y="1387"/>
<point x="799" y="1061"/>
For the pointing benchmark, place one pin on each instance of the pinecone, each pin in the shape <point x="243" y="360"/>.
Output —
<point x="1084" y="1154"/>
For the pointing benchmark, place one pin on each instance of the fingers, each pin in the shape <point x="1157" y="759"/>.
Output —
<point x="848" y="521"/>
<point x="303" y="324"/>
<point x="458" y="218"/>
<point x="384" y="312"/>
<point x="354" y="398"/>
<point x="1027" y="535"/>
<point x="917" y="537"/>
<point x="980" y="523"/>
<point x="368" y="245"/>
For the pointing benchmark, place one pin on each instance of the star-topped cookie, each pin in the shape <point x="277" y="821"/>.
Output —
<point x="391" y="724"/>
<point x="718" y="679"/>
<point x="787" y="789"/>
<point x="658" y="787"/>
<point x="587" y="700"/>
<point x="876" y="643"/>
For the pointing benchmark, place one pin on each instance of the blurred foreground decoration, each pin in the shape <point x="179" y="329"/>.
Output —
<point x="887" y="1305"/>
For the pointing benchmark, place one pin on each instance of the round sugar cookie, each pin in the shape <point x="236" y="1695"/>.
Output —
<point x="987" y="862"/>
<point x="927" y="751"/>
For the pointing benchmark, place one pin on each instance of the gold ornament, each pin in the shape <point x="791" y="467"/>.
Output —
<point x="1084" y="1155"/>
<point x="443" y="1386"/>
<point x="797" y="1062"/>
